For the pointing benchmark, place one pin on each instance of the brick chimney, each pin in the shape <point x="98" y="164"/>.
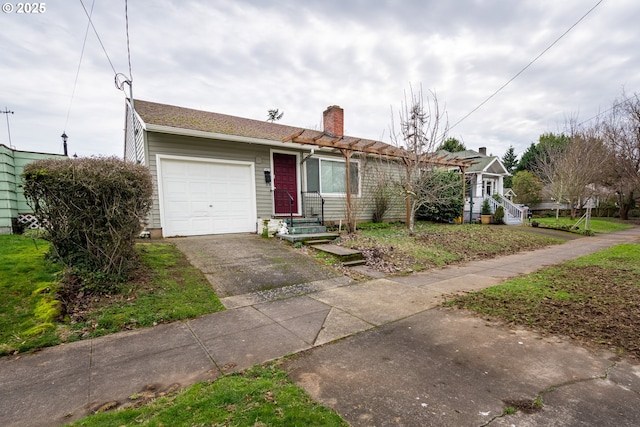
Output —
<point x="333" y="119"/>
<point x="483" y="150"/>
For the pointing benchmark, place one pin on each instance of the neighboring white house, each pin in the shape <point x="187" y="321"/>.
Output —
<point x="484" y="179"/>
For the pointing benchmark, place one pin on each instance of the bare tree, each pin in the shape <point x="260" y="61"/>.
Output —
<point x="423" y="127"/>
<point x="571" y="172"/>
<point x="621" y="133"/>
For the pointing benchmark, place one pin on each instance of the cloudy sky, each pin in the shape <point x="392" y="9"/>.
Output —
<point x="244" y="57"/>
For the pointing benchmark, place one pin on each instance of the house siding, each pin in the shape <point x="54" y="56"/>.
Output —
<point x="134" y="143"/>
<point x="187" y="146"/>
<point x="260" y="156"/>
<point x="12" y="200"/>
<point x="363" y="205"/>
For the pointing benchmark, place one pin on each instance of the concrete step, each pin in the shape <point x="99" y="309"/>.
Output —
<point x="307" y="229"/>
<point x="318" y="242"/>
<point x="302" y="221"/>
<point x="354" y="263"/>
<point x="293" y="238"/>
<point x="343" y="254"/>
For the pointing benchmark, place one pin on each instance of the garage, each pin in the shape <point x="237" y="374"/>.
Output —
<point x="199" y="196"/>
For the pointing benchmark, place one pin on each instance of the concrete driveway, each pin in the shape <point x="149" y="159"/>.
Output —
<point x="239" y="264"/>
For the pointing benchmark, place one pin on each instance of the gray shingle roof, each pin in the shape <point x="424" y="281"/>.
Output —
<point x="480" y="161"/>
<point x="187" y="118"/>
<point x="204" y="121"/>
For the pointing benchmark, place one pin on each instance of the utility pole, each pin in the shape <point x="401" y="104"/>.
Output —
<point x="7" y="112"/>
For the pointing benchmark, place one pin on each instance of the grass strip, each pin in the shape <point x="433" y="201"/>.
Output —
<point x="261" y="396"/>
<point x="595" y="298"/>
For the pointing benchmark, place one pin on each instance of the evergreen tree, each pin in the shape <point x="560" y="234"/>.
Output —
<point x="528" y="159"/>
<point x="452" y="145"/>
<point x="510" y="161"/>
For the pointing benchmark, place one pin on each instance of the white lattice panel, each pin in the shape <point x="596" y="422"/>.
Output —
<point x="29" y="220"/>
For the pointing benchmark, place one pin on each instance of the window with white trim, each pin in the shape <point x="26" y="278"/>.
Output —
<point x="328" y="177"/>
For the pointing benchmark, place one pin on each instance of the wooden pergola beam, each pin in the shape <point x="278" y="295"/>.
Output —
<point x="369" y="147"/>
<point x="293" y="136"/>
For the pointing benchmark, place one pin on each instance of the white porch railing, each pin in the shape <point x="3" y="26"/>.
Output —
<point x="513" y="214"/>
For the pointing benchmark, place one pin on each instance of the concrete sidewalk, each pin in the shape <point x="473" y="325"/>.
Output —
<point x="64" y="383"/>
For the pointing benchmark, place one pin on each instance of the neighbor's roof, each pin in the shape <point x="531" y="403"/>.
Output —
<point x="204" y="121"/>
<point x="480" y="162"/>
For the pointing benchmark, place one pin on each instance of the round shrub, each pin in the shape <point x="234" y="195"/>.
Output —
<point x="92" y="210"/>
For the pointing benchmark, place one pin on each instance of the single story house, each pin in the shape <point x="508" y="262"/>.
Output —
<point x="14" y="210"/>
<point x="215" y="173"/>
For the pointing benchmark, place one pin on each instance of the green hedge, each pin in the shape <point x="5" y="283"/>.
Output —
<point x="92" y="210"/>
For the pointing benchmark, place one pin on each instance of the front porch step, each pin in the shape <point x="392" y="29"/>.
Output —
<point x="348" y="257"/>
<point x="303" y="222"/>
<point x="293" y="238"/>
<point x="307" y="229"/>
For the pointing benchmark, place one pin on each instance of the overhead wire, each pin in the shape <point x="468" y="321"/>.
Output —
<point x="615" y="105"/>
<point x="99" y="40"/>
<point x="75" y="82"/>
<point x="526" y="67"/>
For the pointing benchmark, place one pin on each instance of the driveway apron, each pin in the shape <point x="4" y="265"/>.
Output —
<point x="237" y="264"/>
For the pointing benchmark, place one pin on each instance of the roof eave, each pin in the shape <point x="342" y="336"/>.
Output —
<point x="221" y="136"/>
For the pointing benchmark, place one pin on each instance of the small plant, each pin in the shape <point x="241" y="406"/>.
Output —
<point x="538" y="402"/>
<point x="486" y="207"/>
<point x="509" y="410"/>
<point x="498" y="216"/>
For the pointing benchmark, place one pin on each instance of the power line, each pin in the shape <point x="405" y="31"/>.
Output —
<point x="617" y="104"/>
<point x="96" y="32"/>
<point x="75" y="82"/>
<point x="527" y="66"/>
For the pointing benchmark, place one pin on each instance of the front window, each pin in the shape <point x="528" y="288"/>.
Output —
<point x="329" y="176"/>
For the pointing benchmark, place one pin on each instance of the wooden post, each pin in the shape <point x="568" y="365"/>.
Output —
<point x="347" y="156"/>
<point x="464" y="193"/>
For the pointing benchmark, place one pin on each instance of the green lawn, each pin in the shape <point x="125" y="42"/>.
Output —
<point x="595" y="298"/>
<point x="167" y="288"/>
<point x="28" y="305"/>
<point x="262" y="396"/>
<point x="598" y="225"/>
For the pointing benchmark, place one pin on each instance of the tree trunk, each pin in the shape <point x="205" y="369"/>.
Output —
<point x="626" y="202"/>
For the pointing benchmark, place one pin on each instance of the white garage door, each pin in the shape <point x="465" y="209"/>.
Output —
<point x="206" y="197"/>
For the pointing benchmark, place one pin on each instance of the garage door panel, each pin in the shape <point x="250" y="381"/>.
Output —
<point x="177" y="209"/>
<point x="199" y="170"/>
<point x="175" y="189"/>
<point x="175" y="169"/>
<point x="207" y="197"/>
<point x="200" y="209"/>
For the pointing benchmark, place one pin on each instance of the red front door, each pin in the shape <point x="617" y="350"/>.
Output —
<point x="284" y="171"/>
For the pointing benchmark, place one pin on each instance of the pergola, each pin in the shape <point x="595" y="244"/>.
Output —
<point x="349" y="145"/>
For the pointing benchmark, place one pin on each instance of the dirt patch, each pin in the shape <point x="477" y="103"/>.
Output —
<point x="523" y="405"/>
<point x="78" y="305"/>
<point x="599" y="306"/>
